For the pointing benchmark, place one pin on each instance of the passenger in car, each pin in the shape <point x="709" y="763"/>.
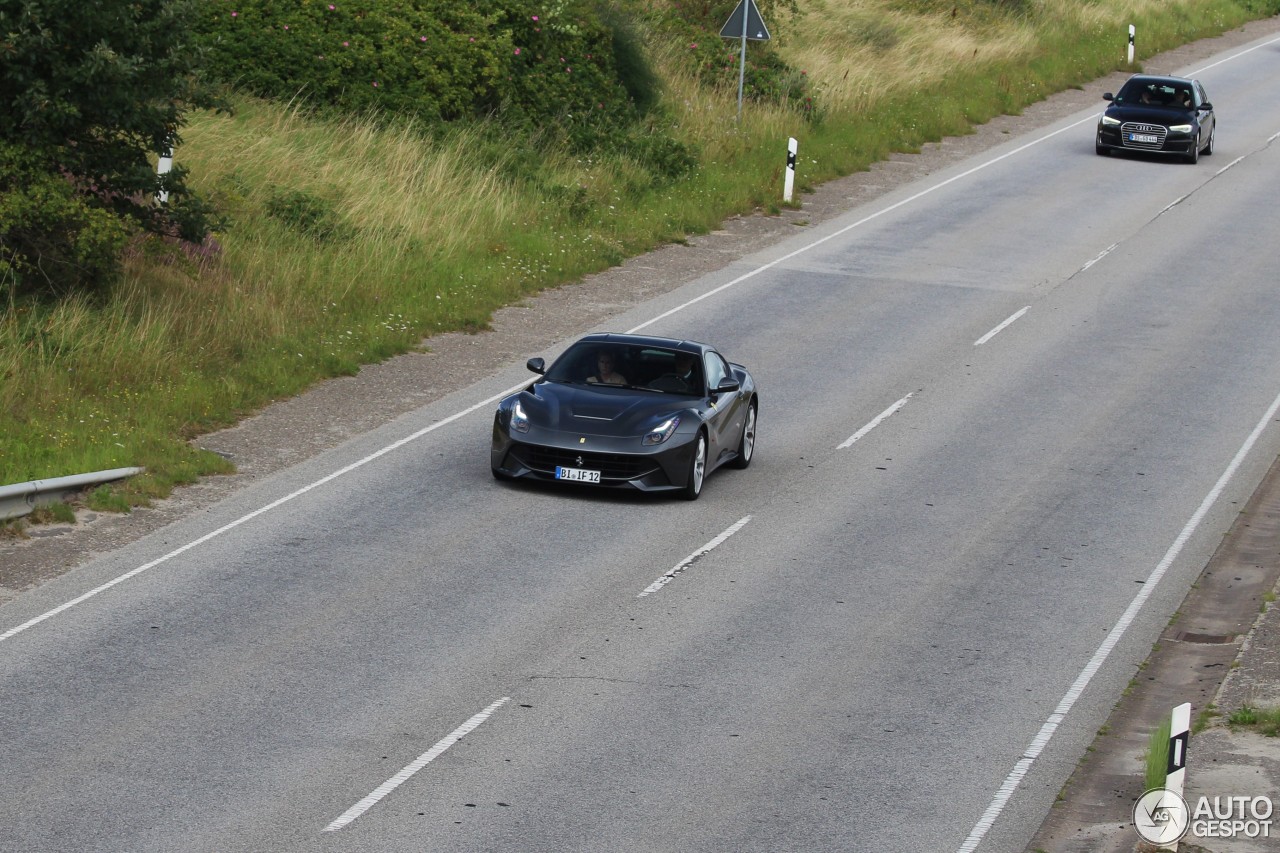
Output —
<point x="605" y="374"/>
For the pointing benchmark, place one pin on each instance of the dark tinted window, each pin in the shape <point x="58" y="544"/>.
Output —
<point x="1156" y="94"/>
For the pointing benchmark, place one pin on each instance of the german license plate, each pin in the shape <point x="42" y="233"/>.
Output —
<point x="578" y="475"/>
<point x="1146" y="138"/>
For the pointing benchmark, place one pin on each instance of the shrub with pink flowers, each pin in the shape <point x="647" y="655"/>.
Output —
<point x="435" y="59"/>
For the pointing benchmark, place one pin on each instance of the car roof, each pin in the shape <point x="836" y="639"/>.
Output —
<point x="1161" y="78"/>
<point x="645" y="341"/>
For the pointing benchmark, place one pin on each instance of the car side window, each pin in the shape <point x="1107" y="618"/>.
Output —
<point x="717" y="370"/>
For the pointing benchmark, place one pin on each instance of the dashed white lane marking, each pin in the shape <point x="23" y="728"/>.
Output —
<point x="420" y="762"/>
<point x="875" y="422"/>
<point x="998" y="329"/>
<point x="1100" y="256"/>
<point x="688" y="561"/>
<point x="1050" y="726"/>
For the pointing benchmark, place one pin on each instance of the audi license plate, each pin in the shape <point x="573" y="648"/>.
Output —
<point x="1145" y="138"/>
<point x="579" y="475"/>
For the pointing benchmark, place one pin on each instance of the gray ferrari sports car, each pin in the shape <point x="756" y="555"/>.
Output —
<point x="628" y="411"/>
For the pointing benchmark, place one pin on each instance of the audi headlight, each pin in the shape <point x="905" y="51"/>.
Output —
<point x="519" y="420"/>
<point x="662" y="431"/>
<point x="1110" y="122"/>
<point x="1180" y="128"/>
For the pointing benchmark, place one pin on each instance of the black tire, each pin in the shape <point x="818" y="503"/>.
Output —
<point x="1194" y="156"/>
<point x="1208" y="148"/>
<point x="697" y="469"/>
<point x="746" y="441"/>
<point x="1103" y="151"/>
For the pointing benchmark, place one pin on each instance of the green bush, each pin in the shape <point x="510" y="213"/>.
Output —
<point x="51" y="237"/>
<point x="560" y="69"/>
<point x="90" y="93"/>
<point x="431" y="58"/>
<point x="309" y="214"/>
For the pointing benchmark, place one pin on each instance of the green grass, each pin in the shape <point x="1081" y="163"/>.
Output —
<point x="57" y="512"/>
<point x="1204" y="719"/>
<point x="1157" y="758"/>
<point x="352" y="241"/>
<point x="1263" y="720"/>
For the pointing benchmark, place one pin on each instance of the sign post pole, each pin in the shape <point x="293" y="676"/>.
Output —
<point x="747" y="25"/>
<point x="742" y="59"/>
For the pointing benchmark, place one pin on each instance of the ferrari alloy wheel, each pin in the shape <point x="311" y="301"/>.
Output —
<point x="697" y="469"/>
<point x="747" y="442"/>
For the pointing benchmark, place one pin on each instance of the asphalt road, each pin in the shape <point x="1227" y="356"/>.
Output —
<point x="1059" y="370"/>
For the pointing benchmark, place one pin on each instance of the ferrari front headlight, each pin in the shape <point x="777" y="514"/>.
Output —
<point x="662" y="431"/>
<point x="519" y="420"/>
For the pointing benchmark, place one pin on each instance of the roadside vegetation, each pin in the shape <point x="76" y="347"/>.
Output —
<point x="1265" y="721"/>
<point x="355" y="220"/>
<point x="1156" y="760"/>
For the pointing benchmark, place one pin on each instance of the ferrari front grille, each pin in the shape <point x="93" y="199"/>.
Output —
<point x="612" y="466"/>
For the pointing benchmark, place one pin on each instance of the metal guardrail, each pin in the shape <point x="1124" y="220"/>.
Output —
<point x="21" y="498"/>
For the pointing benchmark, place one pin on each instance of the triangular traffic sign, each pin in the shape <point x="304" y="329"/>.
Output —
<point x="755" y="28"/>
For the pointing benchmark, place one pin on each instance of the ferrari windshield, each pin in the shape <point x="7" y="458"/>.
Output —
<point x="648" y="367"/>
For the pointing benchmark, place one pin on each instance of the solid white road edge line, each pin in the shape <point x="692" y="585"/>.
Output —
<point x="420" y="762"/>
<point x="257" y="512"/>
<point x="875" y="422"/>
<point x="688" y="561"/>
<point x="1041" y="740"/>
<point x="860" y="222"/>
<point x="998" y="329"/>
<point x="1234" y="56"/>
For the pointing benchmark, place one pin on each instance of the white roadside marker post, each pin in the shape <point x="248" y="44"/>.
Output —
<point x="1132" y="31"/>
<point x="790" y="181"/>
<point x="162" y="168"/>
<point x="1179" y="734"/>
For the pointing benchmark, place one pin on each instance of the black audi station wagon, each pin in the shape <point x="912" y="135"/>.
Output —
<point x="1158" y="115"/>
